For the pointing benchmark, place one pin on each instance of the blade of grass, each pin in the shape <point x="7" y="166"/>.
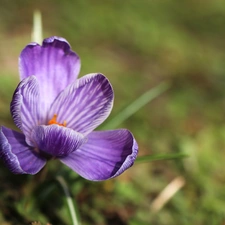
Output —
<point x="136" y="105"/>
<point x="155" y="157"/>
<point x="36" y="35"/>
<point x="69" y="200"/>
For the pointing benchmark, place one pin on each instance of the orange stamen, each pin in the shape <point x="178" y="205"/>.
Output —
<point x="54" y="121"/>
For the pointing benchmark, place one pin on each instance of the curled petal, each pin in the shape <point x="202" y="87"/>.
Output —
<point x="55" y="140"/>
<point x="17" y="155"/>
<point x="85" y="104"/>
<point x="106" y="155"/>
<point x="54" y="65"/>
<point x="24" y="105"/>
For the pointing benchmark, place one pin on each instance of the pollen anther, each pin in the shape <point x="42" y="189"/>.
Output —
<point x="54" y="121"/>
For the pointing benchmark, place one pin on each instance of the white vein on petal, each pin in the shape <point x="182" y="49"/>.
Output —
<point x="80" y="96"/>
<point x="24" y="108"/>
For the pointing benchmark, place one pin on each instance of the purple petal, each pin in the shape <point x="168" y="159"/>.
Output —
<point x="55" y="140"/>
<point x="24" y="105"/>
<point x="85" y="104"/>
<point x="54" y="65"/>
<point x="17" y="155"/>
<point x="106" y="155"/>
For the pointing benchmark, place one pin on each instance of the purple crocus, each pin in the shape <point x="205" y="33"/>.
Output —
<point x="56" y="113"/>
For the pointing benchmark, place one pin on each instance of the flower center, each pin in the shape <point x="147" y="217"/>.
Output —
<point x="54" y="121"/>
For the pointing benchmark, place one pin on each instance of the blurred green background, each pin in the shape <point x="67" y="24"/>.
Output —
<point x="137" y="44"/>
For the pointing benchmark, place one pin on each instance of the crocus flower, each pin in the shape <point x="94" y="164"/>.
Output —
<point x="57" y="113"/>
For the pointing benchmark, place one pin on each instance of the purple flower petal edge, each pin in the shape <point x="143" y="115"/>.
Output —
<point x="17" y="155"/>
<point x="54" y="64"/>
<point x="86" y="103"/>
<point x="106" y="154"/>
<point x="24" y="106"/>
<point x="57" y="141"/>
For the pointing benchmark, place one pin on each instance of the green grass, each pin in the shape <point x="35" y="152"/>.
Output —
<point x="137" y="45"/>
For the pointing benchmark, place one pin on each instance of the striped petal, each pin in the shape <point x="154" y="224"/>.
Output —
<point x="85" y="104"/>
<point x="57" y="141"/>
<point x="25" y="106"/>
<point x="106" y="155"/>
<point x="54" y="65"/>
<point x="17" y="155"/>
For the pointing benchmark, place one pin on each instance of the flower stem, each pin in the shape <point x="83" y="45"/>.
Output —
<point x="69" y="200"/>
